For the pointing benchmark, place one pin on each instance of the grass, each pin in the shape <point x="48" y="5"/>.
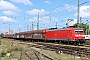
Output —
<point x="13" y="50"/>
<point x="14" y="47"/>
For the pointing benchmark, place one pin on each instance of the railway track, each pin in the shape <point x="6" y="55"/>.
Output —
<point x="34" y="54"/>
<point x="37" y="55"/>
<point x="87" y="42"/>
<point x="83" y="52"/>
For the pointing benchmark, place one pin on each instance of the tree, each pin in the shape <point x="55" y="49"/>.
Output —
<point x="87" y="31"/>
<point x="82" y="25"/>
<point x="1" y="34"/>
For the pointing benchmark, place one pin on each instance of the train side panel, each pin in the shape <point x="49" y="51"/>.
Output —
<point x="58" y="34"/>
<point x="72" y="34"/>
<point x="8" y="35"/>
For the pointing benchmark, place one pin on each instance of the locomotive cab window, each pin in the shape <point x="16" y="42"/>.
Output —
<point x="79" y="31"/>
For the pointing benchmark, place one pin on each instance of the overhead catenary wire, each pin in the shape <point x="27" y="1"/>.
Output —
<point x="85" y="2"/>
<point x="62" y="12"/>
<point x="58" y="13"/>
<point x="68" y="14"/>
<point x="61" y="5"/>
<point x="55" y="7"/>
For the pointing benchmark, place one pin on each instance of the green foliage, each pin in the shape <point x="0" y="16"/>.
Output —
<point x="82" y="25"/>
<point x="3" y="54"/>
<point x="6" y="58"/>
<point x="1" y="34"/>
<point x="87" y="31"/>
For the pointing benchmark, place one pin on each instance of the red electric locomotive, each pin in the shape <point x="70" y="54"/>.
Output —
<point x="70" y="35"/>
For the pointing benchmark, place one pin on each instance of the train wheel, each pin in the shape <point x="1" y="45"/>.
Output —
<point x="59" y="42"/>
<point x="75" y="43"/>
<point x="79" y="44"/>
<point x="68" y="42"/>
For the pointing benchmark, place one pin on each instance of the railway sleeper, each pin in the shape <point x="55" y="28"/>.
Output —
<point x="69" y="50"/>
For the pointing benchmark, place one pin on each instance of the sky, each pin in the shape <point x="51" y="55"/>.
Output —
<point x="18" y="15"/>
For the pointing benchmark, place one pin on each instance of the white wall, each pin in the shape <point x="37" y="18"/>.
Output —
<point x="87" y="37"/>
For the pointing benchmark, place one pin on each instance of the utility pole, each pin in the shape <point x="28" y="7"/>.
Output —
<point x="18" y="28"/>
<point x="80" y="19"/>
<point x="38" y="22"/>
<point x="37" y="26"/>
<point x="78" y="14"/>
<point x="27" y="27"/>
<point x="9" y="27"/>
<point x="56" y="24"/>
<point x="32" y="26"/>
<point x="87" y="27"/>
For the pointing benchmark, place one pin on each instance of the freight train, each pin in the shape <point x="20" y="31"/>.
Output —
<point x="67" y="35"/>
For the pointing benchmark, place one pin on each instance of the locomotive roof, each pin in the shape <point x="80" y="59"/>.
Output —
<point x="65" y="28"/>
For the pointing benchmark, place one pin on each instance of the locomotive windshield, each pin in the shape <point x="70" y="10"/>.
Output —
<point x="79" y="32"/>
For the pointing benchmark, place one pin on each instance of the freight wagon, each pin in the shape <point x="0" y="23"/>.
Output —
<point x="8" y="35"/>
